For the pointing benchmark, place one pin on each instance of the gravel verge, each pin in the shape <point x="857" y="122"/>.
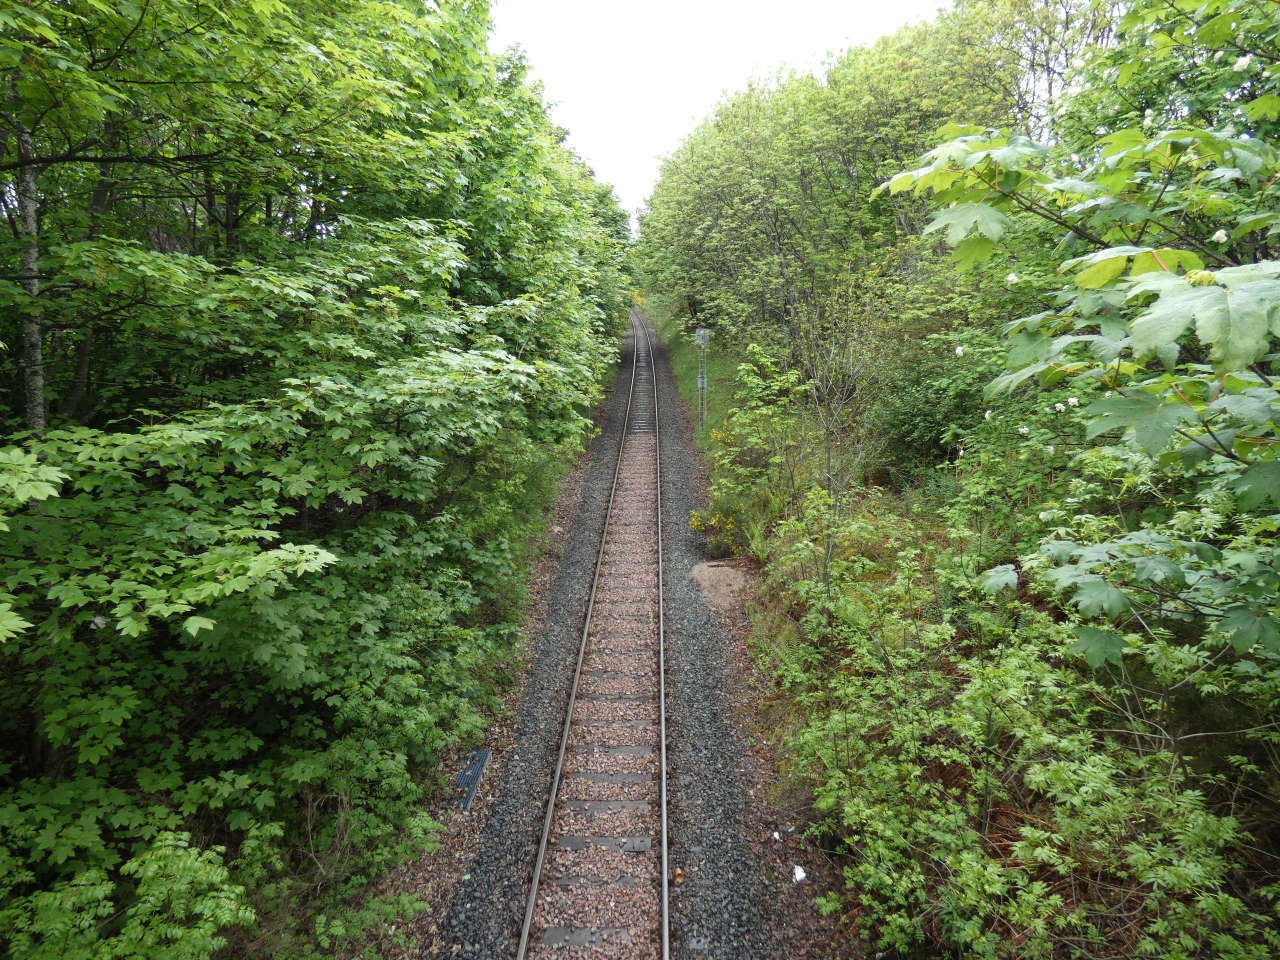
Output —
<point x="717" y="907"/>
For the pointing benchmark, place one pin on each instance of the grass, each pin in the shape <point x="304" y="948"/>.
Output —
<point x="722" y="371"/>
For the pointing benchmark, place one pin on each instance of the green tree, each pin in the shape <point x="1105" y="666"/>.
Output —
<point x="306" y="303"/>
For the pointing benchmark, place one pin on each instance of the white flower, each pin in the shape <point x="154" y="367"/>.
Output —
<point x="1011" y="278"/>
<point x="1073" y="401"/>
<point x="960" y="453"/>
<point x="987" y="415"/>
<point x="1108" y="394"/>
<point x="1075" y="158"/>
<point x="799" y="873"/>
<point x="1024" y="430"/>
<point x="1218" y="55"/>
<point x="1060" y="407"/>
<point x="1049" y="449"/>
<point x="1219" y="237"/>
<point x="777" y="837"/>
<point x="1242" y="63"/>
<point x="98" y="622"/>
<point x="959" y="351"/>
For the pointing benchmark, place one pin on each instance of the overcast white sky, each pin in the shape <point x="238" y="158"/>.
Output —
<point x="630" y="78"/>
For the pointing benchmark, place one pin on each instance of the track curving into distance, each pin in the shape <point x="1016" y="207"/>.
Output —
<point x="600" y="881"/>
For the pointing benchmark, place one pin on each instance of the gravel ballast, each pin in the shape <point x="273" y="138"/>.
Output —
<point x="598" y="896"/>
<point x="716" y="911"/>
<point x="724" y="896"/>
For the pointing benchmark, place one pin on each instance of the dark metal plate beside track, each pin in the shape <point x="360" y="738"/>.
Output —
<point x="469" y="779"/>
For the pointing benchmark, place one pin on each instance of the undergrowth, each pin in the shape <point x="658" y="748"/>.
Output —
<point x="982" y="789"/>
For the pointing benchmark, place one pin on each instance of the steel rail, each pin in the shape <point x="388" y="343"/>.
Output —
<point x="638" y="330"/>
<point x="662" y="652"/>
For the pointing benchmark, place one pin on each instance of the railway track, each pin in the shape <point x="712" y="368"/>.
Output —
<point x="600" y="881"/>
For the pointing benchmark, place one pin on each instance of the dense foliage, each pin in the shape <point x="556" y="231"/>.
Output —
<point x="303" y="307"/>
<point x="1009" y="467"/>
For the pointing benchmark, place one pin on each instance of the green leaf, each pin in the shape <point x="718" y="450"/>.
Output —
<point x="1073" y="185"/>
<point x="1122" y="140"/>
<point x="1014" y="378"/>
<point x="1167" y="260"/>
<point x="10" y="623"/>
<point x="1253" y="223"/>
<point x="1152" y="420"/>
<point x="1158" y="569"/>
<point x="961" y="219"/>
<point x="1265" y="107"/>
<point x="1100" y="274"/>
<point x="1239" y="331"/>
<point x="1254" y="408"/>
<point x="900" y="182"/>
<point x="1164" y="323"/>
<point x="1095" y="596"/>
<point x="1162" y="283"/>
<point x="1249" y="627"/>
<point x="1259" y="484"/>
<point x="1098" y="646"/>
<point x="1099" y="257"/>
<point x="1248" y="160"/>
<point x="194" y="625"/>
<point x="971" y="251"/>
<point x="1247" y="273"/>
<point x="1004" y="577"/>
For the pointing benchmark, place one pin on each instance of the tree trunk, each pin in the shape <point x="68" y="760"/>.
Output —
<point x="28" y="196"/>
<point x="99" y="207"/>
<point x="232" y="226"/>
